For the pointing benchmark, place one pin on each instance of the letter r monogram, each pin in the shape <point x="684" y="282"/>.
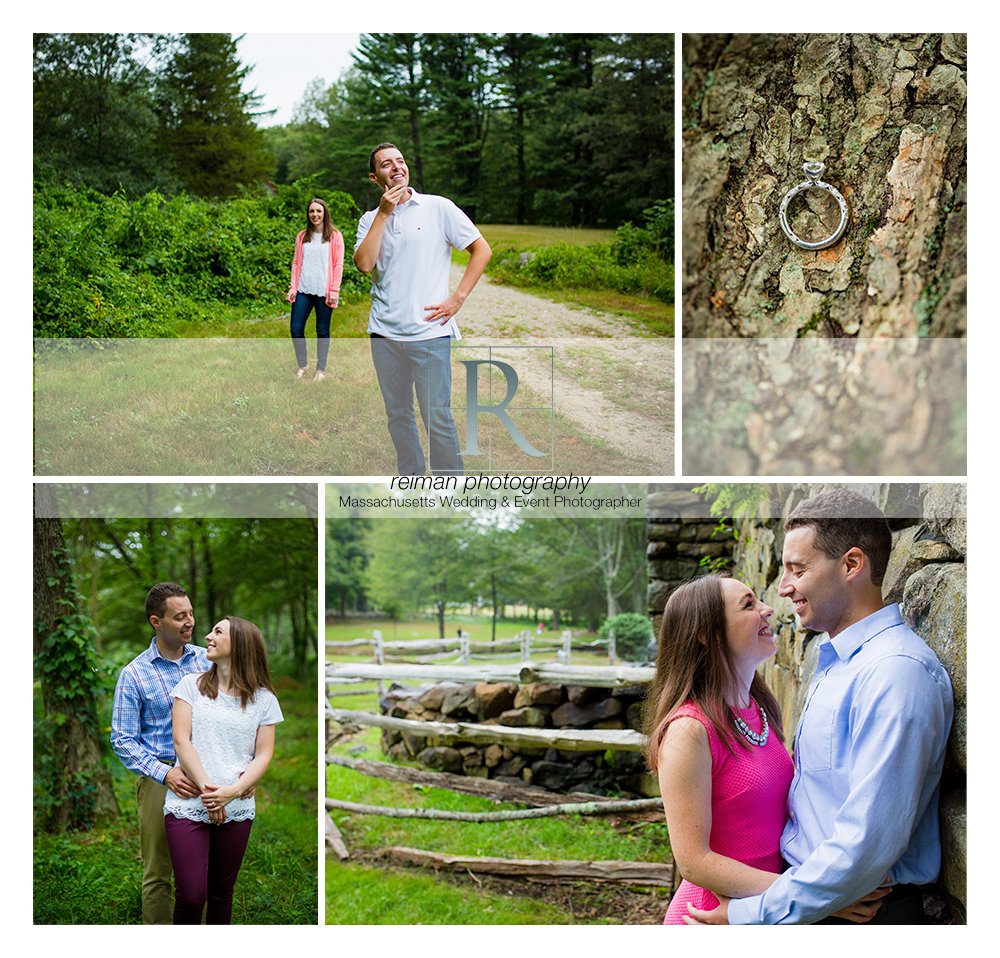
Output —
<point x="473" y="408"/>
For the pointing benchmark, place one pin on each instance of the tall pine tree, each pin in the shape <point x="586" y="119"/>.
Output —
<point x="207" y="128"/>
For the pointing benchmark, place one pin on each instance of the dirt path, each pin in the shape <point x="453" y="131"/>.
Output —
<point x="614" y="385"/>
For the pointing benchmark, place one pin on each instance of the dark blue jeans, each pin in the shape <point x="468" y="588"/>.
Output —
<point x="424" y="366"/>
<point x="304" y="303"/>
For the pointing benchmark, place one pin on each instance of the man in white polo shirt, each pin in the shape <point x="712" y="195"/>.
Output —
<point x="406" y="245"/>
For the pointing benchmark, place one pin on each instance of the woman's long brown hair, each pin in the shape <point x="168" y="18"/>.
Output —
<point x="328" y="228"/>
<point x="693" y="662"/>
<point x="247" y="663"/>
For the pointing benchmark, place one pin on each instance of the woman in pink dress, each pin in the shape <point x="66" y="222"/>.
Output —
<point x="716" y="743"/>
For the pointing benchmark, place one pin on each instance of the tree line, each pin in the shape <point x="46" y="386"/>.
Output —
<point x="582" y="570"/>
<point x="565" y="129"/>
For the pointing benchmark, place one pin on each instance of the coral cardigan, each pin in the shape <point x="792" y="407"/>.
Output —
<point x="335" y="271"/>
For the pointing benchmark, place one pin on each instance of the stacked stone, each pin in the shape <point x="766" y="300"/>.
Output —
<point x="534" y="705"/>
<point x="681" y="546"/>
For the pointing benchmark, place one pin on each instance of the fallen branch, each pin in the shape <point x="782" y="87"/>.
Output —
<point x="518" y="814"/>
<point x="335" y="840"/>
<point x="482" y="787"/>
<point x="633" y="873"/>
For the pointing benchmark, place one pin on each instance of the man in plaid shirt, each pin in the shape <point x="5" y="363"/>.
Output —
<point x="142" y="737"/>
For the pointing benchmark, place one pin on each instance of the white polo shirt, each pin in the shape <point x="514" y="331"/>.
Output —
<point x="413" y="265"/>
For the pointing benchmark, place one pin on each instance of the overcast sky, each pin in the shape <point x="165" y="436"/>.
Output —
<point x="284" y="63"/>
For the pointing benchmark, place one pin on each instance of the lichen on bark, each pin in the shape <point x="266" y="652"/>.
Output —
<point x="887" y="115"/>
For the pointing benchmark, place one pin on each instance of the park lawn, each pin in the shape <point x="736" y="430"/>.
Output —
<point x="95" y="877"/>
<point x="233" y="407"/>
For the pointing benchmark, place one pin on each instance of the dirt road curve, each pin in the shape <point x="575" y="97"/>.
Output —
<point x="614" y="385"/>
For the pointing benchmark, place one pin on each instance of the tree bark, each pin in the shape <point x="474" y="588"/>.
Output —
<point x="887" y="115"/>
<point x="73" y="770"/>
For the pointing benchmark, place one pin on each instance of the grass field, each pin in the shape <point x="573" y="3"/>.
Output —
<point x="233" y="407"/>
<point x="368" y="890"/>
<point x="95" y="877"/>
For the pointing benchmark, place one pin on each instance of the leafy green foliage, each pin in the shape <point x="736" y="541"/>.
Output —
<point x="633" y="635"/>
<point x="110" y="266"/>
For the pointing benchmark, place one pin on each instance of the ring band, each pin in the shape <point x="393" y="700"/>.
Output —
<point x="814" y="171"/>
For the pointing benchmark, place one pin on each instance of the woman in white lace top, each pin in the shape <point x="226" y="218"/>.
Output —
<point x="223" y="726"/>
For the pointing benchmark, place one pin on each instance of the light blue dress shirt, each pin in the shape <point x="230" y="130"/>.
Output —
<point x="141" y="726"/>
<point x="868" y="757"/>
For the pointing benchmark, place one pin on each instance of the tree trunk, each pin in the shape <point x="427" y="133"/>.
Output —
<point x="76" y="782"/>
<point x="887" y="116"/>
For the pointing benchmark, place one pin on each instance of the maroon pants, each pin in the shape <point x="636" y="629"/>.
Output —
<point x="206" y="860"/>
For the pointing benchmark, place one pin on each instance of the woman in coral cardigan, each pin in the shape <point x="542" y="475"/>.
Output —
<point x="315" y="284"/>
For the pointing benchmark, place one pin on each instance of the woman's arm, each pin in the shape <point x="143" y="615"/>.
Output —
<point x="187" y="754"/>
<point x="336" y="268"/>
<point x="685" y="774"/>
<point x="263" y="752"/>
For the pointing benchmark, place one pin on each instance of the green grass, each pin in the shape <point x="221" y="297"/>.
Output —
<point x="364" y="895"/>
<point x="364" y="890"/>
<point x="95" y="877"/>
<point x="223" y="407"/>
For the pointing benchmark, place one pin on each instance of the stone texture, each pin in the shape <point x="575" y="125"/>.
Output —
<point x="538" y="693"/>
<point x="442" y="758"/>
<point x="571" y="715"/>
<point x="492" y="698"/>
<point x="527" y="717"/>
<point x="460" y="701"/>
<point x="935" y="606"/>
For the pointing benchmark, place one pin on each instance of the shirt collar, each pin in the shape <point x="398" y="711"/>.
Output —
<point x="154" y="653"/>
<point x="854" y="636"/>
<point x="414" y="197"/>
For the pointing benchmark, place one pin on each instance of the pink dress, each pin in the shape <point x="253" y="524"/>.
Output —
<point x="749" y="805"/>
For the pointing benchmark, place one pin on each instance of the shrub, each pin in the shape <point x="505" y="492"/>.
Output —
<point x="111" y="266"/>
<point x="633" y="636"/>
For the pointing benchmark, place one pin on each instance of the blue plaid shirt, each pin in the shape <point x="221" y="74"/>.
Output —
<point x="141" y="728"/>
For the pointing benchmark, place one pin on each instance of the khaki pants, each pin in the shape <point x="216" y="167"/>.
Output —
<point x="157" y="899"/>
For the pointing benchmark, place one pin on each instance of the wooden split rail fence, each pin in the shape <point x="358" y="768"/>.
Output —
<point x="545" y="803"/>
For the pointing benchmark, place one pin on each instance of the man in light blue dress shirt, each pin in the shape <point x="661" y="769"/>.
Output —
<point x="870" y="746"/>
<point x="142" y="734"/>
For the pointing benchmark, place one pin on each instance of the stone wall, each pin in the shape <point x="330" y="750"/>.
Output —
<point x="534" y="705"/>
<point x="926" y="575"/>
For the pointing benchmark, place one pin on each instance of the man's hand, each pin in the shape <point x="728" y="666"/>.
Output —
<point x="865" y="908"/>
<point x="392" y="197"/>
<point x="719" y="915"/>
<point x="443" y="312"/>
<point x="180" y="784"/>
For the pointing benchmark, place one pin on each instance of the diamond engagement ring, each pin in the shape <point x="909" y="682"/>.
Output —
<point x="814" y="171"/>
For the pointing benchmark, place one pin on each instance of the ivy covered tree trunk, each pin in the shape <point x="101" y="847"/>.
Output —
<point x="75" y="786"/>
<point x="887" y="116"/>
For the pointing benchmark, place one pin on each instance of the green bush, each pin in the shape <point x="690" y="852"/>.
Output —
<point x="111" y="266"/>
<point x="633" y="635"/>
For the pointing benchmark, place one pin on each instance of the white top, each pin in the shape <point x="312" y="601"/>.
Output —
<point x="224" y="735"/>
<point x="413" y="265"/>
<point x="315" y="273"/>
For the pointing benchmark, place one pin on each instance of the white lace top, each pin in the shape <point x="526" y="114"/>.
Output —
<point x="224" y="735"/>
